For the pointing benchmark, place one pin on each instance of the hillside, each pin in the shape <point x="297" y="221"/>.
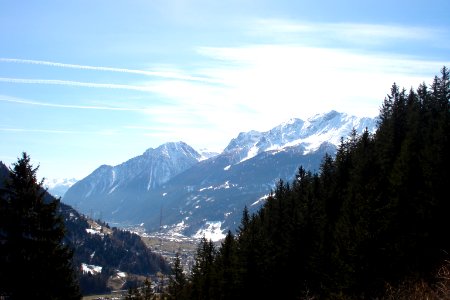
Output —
<point x="197" y="196"/>
<point x="371" y="224"/>
<point x="102" y="252"/>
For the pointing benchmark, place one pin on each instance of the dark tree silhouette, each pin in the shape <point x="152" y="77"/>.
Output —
<point x="376" y="215"/>
<point x="35" y="264"/>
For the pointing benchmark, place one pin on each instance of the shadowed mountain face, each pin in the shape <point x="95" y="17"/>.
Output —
<point x="108" y="187"/>
<point x="173" y="189"/>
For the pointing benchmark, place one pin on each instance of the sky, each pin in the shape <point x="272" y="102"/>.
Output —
<point x="85" y="83"/>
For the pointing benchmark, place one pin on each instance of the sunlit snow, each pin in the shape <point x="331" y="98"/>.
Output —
<point x="122" y="274"/>
<point x="206" y="188"/>
<point x="251" y="153"/>
<point x="260" y="200"/>
<point x="91" y="269"/>
<point x="211" y="231"/>
<point x="93" y="231"/>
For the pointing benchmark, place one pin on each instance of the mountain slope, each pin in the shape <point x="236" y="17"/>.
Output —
<point x="310" y="134"/>
<point x="214" y="191"/>
<point x="96" y="244"/>
<point x="113" y="187"/>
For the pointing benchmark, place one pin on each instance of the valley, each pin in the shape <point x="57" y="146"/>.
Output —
<point x="188" y="193"/>
<point x="168" y="245"/>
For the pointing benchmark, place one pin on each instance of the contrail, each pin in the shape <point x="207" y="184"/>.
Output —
<point x="41" y="130"/>
<point x="77" y="83"/>
<point x="30" y="102"/>
<point x="170" y="75"/>
<point x="56" y="131"/>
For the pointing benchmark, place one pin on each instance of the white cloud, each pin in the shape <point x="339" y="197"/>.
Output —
<point x="257" y="86"/>
<point x="264" y="85"/>
<point x="282" y="81"/>
<point x="351" y="33"/>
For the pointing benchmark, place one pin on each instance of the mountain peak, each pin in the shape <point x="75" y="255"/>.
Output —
<point x="327" y="116"/>
<point x="144" y="172"/>
<point x="320" y="128"/>
<point x="291" y="121"/>
<point x="173" y="148"/>
<point x="171" y="181"/>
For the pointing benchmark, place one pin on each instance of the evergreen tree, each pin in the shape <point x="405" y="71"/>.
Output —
<point x="245" y="220"/>
<point x="374" y="216"/>
<point x="226" y="269"/>
<point x="177" y="280"/>
<point x="147" y="291"/>
<point x="202" y="276"/>
<point x="31" y="240"/>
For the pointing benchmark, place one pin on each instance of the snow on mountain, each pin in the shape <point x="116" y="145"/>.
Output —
<point x="182" y="192"/>
<point x="156" y="166"/>
<point x="58" y="187"/>
<point x="211" y="231"/>
<point x="141" y="173"/>
<point x="206" y="153"/>
<point x="328" y="127"/>
<point x="212" y="193"/>
<point x="93" y="269"/>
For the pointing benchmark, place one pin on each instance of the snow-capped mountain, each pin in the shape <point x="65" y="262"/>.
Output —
<point x="58" y="187"/>
<point x="206" y="153"/>
<point x="310" y="134"/>
<point x="195" y="194"/>
<point x="137" y="175"/>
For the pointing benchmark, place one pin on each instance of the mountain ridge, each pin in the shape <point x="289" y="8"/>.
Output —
<point x="215" y="189"/>
<point x="142" y="172"/>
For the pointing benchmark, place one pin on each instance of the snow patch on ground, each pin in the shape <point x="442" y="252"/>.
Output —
<point x="93" y="269"/>
<point x="112" y="189"/>
<point x="260" y="200"/>
<point x="93" y="231"/>
<point x="251" y="153"/>
<point x="211" y="231"/>
<point x="206" y="188"/>
<point x="225" y="185"/>
<point x="122" y="274"/>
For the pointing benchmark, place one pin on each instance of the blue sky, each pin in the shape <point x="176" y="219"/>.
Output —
<point x="85" y="83"/>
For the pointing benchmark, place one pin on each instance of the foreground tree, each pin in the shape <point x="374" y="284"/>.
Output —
<point x="373" y="224"/>
<point x="34" y="263"/>
<point x="177" y="280"/>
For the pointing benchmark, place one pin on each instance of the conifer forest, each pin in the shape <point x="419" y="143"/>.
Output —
<point x="373" y="223"/>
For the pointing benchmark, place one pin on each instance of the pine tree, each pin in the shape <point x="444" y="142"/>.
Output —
<point x="32" y="234"/>
<point x="147" y="292"/>
<point x="177" y="280"/>
<point x="375" y="215"/>
<point x="227" y="269"/>
<point x="202" y="277"/>
<point x="130" y="294"/>
<point x="245" y="220"/>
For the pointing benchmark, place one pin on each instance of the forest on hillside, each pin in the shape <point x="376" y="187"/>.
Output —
<point x="43" y="244"/>
<point x="113" y="249"/>
<point x="371" y="224"/>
